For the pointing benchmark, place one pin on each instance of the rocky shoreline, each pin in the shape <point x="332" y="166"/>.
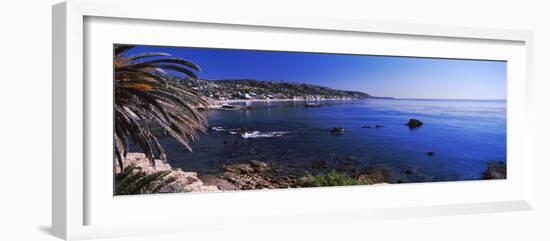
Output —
<point x="250" y="176"/>
<point x="181" y="181"/>
<point x="254" y="175"/>
<point x="258" y="175"/>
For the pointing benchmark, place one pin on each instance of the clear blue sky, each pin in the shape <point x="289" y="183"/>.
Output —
<point x="400" y="77"/>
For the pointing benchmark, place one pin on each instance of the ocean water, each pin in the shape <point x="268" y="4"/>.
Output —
<point x="464" y="134"/>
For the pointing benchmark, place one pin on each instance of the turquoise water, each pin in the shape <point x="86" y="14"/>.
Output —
<point x="464" y="134"/>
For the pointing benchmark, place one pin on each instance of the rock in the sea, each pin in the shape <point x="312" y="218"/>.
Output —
<point x="414" y="123"/>
<point x="430" y="153"/>
<point x="495" y="170"/>
<point x="337" y="130"/>
<point x="410" y="171"/>
<point x="228" y="107"/>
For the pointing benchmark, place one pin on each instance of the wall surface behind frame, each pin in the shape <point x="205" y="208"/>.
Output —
<point x="26" y="119"/>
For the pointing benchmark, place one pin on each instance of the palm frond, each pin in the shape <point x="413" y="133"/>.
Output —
<point x="146" y="96"/>
<point x="149" y="55"/>
<point x="132" y="180"/>
<point x="119" y="49"/>
<point x="167" y="61"/>
<point x="160" y="66"/>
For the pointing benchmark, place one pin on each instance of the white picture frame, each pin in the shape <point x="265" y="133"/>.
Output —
<point x="74" y="198"/>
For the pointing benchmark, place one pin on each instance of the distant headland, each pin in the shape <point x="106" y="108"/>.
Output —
<point x="249" y="89"/>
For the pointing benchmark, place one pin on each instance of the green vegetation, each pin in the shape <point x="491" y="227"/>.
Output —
<point x="331" y="179"/>
<point x="134" y="181"/>
<point x="147" y="98"/>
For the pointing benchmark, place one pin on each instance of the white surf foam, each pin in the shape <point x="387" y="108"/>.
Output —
<point x="267" y="134"/>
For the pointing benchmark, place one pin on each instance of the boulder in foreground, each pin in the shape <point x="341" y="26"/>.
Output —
<point x="182" y="181"/>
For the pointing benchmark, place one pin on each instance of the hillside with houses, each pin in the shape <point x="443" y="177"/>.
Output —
<point x="234" y="89"/>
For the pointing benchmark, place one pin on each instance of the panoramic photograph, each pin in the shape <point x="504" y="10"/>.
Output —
<point x="190" y="119"/>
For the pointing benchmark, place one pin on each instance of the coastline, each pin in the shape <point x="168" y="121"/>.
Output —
<point x="257" y="175"/>
<point x="248" y="175"/>
<point x="320" y="100"/>
<point x="220" y="102"/>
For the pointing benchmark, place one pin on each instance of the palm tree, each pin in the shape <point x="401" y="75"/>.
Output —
<point x="147" y="96"/>
<point x="132" y="180"/>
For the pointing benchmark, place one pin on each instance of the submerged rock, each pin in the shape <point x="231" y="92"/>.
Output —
<point x="337" y="130"/>
<point x="414" y="123"/>
<point x="495" y="170"/>
<point x="320" y="165"/>
<point x="347" y="166"/>
<point x="430" y="153"/>
<point x="375" y="126"/>
<point x="409" y="171"/>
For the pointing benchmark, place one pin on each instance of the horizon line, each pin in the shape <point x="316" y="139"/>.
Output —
<point x="376" y="96"/>
<point x="399" y="98"/>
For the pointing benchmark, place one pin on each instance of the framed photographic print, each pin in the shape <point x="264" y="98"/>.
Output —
<point x="284" y="119"/>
